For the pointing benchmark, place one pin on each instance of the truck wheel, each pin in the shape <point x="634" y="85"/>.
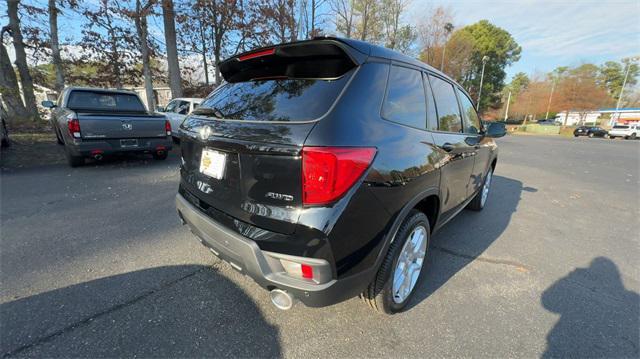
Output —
<point x="58" y="137"/>
<point x="74" y="161"/>
<point x="478" y="202"/>
<point x="162" y="155"/>
<point x="399" y="274"/>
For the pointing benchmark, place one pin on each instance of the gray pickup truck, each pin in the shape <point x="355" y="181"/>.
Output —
<point x="97" y="122"/>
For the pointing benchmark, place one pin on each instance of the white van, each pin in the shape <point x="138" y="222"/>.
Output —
<point x="631" y="131"/>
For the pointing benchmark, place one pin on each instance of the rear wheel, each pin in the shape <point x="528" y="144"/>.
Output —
<point x="399" y="274"/>
<point x="74" y="161"/>
<point x="633" y="136"/>
<point x="478" y="202"/>
<point x="612" y="137"/>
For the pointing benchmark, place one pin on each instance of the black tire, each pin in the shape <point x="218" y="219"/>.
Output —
<point x="58" y="136"/>
<point x="175" y="140"/>
<point x="160" y="156"/>
<point x="591" y="135"/>
<point x="379" y="294"/>
<point x="476" y="203"/>
<point x="612" y="137"/>
<point x="575" y="135"/>
<point x="633" y="136"/>
<point x="74" y="161"/>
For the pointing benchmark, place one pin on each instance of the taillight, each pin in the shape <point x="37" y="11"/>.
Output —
<point x="74" y="126"/>
<point x="329" y="172"/>
<point x="256" y="54"/>
<point x="167" y="127"/>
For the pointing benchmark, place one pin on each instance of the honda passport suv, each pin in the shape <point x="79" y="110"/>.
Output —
<point x="322" y="168"/>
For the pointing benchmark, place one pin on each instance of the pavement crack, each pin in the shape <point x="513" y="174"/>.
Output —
<point x="87" y="320"/>
<point x="519" y="266"/>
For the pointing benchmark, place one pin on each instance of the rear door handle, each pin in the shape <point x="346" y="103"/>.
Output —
<point x="447" y="147"/>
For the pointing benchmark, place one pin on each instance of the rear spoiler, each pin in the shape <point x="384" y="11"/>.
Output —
<point x="310" y="59"/>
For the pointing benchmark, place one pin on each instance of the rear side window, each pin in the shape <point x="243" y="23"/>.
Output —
<point x="104" y="101"/>
<point x="470" y="118"/>
<point x="273" y="100"/>
<point x="621" y="127"/>
<point x="447" y="105"/>
<point x="405" y="101"/>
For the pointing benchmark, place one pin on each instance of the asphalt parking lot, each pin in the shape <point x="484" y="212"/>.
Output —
<point x="94" y="263"/>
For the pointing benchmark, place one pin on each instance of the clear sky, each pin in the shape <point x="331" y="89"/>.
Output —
<point x="553" y="33"/>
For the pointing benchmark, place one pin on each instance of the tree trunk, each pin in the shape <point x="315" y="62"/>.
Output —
<point x="204" y="54"/>
<point x="175" y="80"/>
<point x="21" y="59"/>
<point x="55" y="46"/>
<point x="9" y="88"/>
<point x="141" y="28"/>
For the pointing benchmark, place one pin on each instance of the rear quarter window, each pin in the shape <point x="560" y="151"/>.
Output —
<point x="447" y="105"/>
<point x="274" y="99"/>
<point x="405" y="100"/>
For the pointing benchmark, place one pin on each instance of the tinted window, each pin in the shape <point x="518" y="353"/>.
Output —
<point x="273" y="100"/>
<point x="470" y="119"/>
<point x="621" y="127"/>
<point x="104" y="101"/>
<point x="171" y="107"/>
<point x="447" y="105"/>
<point x="182" y="108"/>
<point x="405" y="98"/>
<point x="432" y="116"/>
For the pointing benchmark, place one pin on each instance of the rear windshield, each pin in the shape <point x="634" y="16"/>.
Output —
<point x="104" y="101"/>
<point x="621" y="127"/>
<point x="273" y="100"/>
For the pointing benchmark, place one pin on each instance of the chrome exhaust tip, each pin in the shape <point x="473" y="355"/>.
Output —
<point x="282" y="299"/>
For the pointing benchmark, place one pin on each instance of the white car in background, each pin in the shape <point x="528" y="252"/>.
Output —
<point x="176" y="111"/>
<point x="631" y="131"/>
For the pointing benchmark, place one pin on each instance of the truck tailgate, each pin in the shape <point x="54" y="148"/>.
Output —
<point x="114" y="125"/>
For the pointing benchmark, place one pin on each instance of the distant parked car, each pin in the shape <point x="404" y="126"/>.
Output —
<point x="547" y="122"/>
<point x="177" y="110"/>
<point x="625" y="131"/>
<point x="590" y="131"/>
<point x="93" y="122"/>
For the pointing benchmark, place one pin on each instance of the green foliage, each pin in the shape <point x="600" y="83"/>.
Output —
<point x="502" y="50"/>
<point x="612" y="75"/>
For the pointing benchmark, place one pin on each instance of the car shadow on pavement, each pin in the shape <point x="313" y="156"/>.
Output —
<point x="599" y="318"/>
<point x="190" y="311"/>
<point x="468" y="235"/>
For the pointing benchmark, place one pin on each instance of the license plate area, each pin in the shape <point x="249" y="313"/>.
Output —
<point x="129" y="142"/>
<point x="213" y="163"/>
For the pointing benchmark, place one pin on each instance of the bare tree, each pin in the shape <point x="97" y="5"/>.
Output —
<point x="9" y="86"/>
<point x="54" y="43"/>
<point x="368" y="26"/>
<point x="168" y="17"/>
<point x="310" y="17"/>
<point x="432" y="34"/>
<point x="140" y="19"/>
<point x="279" y="19"/>
<point x="221" y="15"/>
<point x="21" y="59"/>
<point x="345" y="16"/>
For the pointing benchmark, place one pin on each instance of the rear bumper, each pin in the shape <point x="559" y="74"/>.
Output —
<point x="244" y="255"/>
<point x="111" y="146"/>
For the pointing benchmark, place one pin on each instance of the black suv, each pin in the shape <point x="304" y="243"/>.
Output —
<point x="322" y="168"/>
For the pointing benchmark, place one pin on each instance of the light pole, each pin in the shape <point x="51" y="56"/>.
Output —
<point x="484" y="62"/>
<point x="448" y="27"/>
<point x="624" y="82"/>
<point x="506" y="112"/>
<point x="553" y="87"/>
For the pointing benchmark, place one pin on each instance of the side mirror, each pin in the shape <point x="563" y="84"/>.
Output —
<point x="495" y="129"/>
<point x="48" y="104"/>
<point x="159" y="108"/>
